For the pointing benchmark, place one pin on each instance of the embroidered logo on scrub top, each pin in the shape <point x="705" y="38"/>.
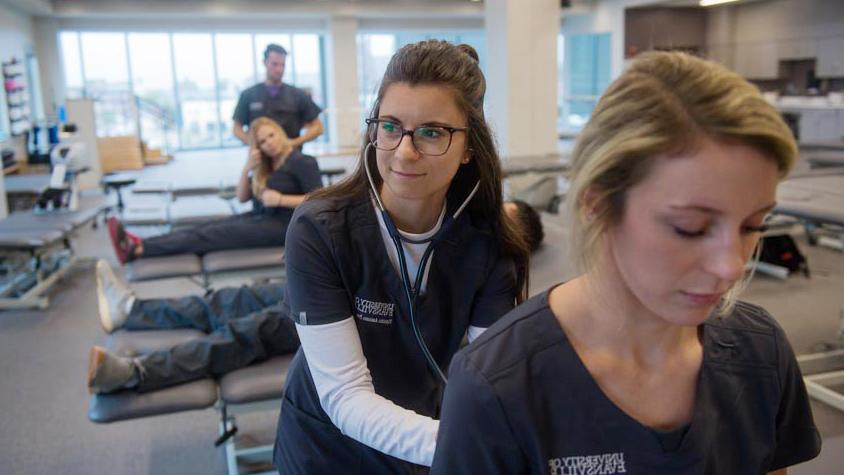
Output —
<point x="604" y="464"/>
<point x="374" y="312"/>
<point x="256" y="106"/>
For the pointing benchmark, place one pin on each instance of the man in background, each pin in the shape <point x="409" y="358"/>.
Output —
<point x="291" y="107"/>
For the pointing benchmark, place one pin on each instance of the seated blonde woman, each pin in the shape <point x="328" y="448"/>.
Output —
<point x="276" y="177"/>
<point x="646" y="363"/>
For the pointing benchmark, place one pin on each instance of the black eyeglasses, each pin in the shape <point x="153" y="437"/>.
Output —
<point x="432" y="140"/>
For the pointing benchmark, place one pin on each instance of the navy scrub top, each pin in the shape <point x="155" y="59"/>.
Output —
<point x="298" y="175"/>
<point x="291" y="108"/>
<point x="519" y="400"/>
<point x="337" y="266"/>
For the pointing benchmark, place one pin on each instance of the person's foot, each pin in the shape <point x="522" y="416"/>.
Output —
<point x="108" y="372"/>
<point x="124" y="242"/>
<point x="114" y="299"/>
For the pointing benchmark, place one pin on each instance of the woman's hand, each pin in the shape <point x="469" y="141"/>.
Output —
<point x="271" y="198"/>
<point x="254" y="159"/>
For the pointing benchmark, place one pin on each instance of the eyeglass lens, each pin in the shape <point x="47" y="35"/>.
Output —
<point x="429" y="140"/>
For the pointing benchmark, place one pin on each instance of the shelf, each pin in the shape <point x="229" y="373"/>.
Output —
<point x="12" y="169"/>
<point x="15" y="87"/>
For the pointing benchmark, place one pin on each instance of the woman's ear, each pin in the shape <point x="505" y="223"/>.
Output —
<point x="467" y="156"/>
<point x="589" y="204"/>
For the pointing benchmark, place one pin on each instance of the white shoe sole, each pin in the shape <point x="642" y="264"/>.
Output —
<point x="105" y="312"/>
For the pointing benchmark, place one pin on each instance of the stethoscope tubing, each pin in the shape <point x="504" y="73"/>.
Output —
<point x="397" y="238"/>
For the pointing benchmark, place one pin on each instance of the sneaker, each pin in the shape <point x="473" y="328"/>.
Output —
<point x="114" y="299"/>
<point x="115" y="232"/>
<point x="124" y="242"/>
<point x="108" y="372"/>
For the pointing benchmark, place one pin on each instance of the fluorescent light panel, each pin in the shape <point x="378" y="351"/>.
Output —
<point x="709" y="3"/>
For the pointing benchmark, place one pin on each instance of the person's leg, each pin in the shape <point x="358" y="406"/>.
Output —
<point x="119" y="308"/>
<point x="202" y="313"/>
<point x="236" y="232"/>
<point x="235" y="345"/>
<point x="238" y="344"/>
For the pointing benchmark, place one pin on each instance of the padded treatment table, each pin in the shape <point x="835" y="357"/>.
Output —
<point x="124" y="405"/>
<point x="818" y="200"/>
<point x="546" y="164"/>
<point x="238" y="259"/>
<point x="198" y="209"/>
<point x="192" y="187"/>
<point x="255" y="388"/>
<point x="181" y="265"/>
<point x="32" y="184"/>
<point x="144" y="216"/>
<point x="35" y="239"/>
<point x="837" y="145"/>
<point x="27" y="239"/>
<point x="151" y="186"/>
<point x="267" y="259"/>
<point x="143" y="209"/>
<point x="64" y="221"/>
<point x="824" y="158"/>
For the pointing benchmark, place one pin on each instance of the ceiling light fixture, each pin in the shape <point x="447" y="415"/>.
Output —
<point x="709" y="3"/>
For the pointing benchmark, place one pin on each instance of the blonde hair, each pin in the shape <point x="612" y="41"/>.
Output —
<point x="265" y="168"/>
<point x="662" y="105"/>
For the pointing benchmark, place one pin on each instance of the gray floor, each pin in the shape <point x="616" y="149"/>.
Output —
<point x="43" y="361"/>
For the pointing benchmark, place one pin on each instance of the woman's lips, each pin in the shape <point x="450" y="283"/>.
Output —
<point x="408" y="175"/>
<point x="702" y="299"/>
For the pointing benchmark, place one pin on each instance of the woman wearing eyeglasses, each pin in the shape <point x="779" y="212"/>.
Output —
<point x="391" y="268"/>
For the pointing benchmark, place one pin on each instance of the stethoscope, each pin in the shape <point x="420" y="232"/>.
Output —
<point x="411" y="293"/>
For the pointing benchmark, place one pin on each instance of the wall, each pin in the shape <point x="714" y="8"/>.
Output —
<point x="753" y="37"/>
<point x="774" y="20"/>
<point x="605" y="16"/>
<point x="15" y="41"/>
<point x="664" y="28"/>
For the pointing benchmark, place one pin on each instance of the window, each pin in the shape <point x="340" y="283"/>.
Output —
<point x="72" y="63"/>
<point x="179" y="89"/>
<point x="236" y="71"/>
<point x="107" y="82"/>
<point x="152" y="83"/>
<point x="307" y="67"/>
<point x="374" y="52"/>
<point x="376" y="49"/>
<point x="196" y="89"/>
<point x="585" y="73"/>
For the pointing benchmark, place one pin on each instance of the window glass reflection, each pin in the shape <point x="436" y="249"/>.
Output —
<point x="195" y="81"/>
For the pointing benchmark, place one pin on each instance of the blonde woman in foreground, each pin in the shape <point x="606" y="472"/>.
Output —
<point x="646" y="363"/>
